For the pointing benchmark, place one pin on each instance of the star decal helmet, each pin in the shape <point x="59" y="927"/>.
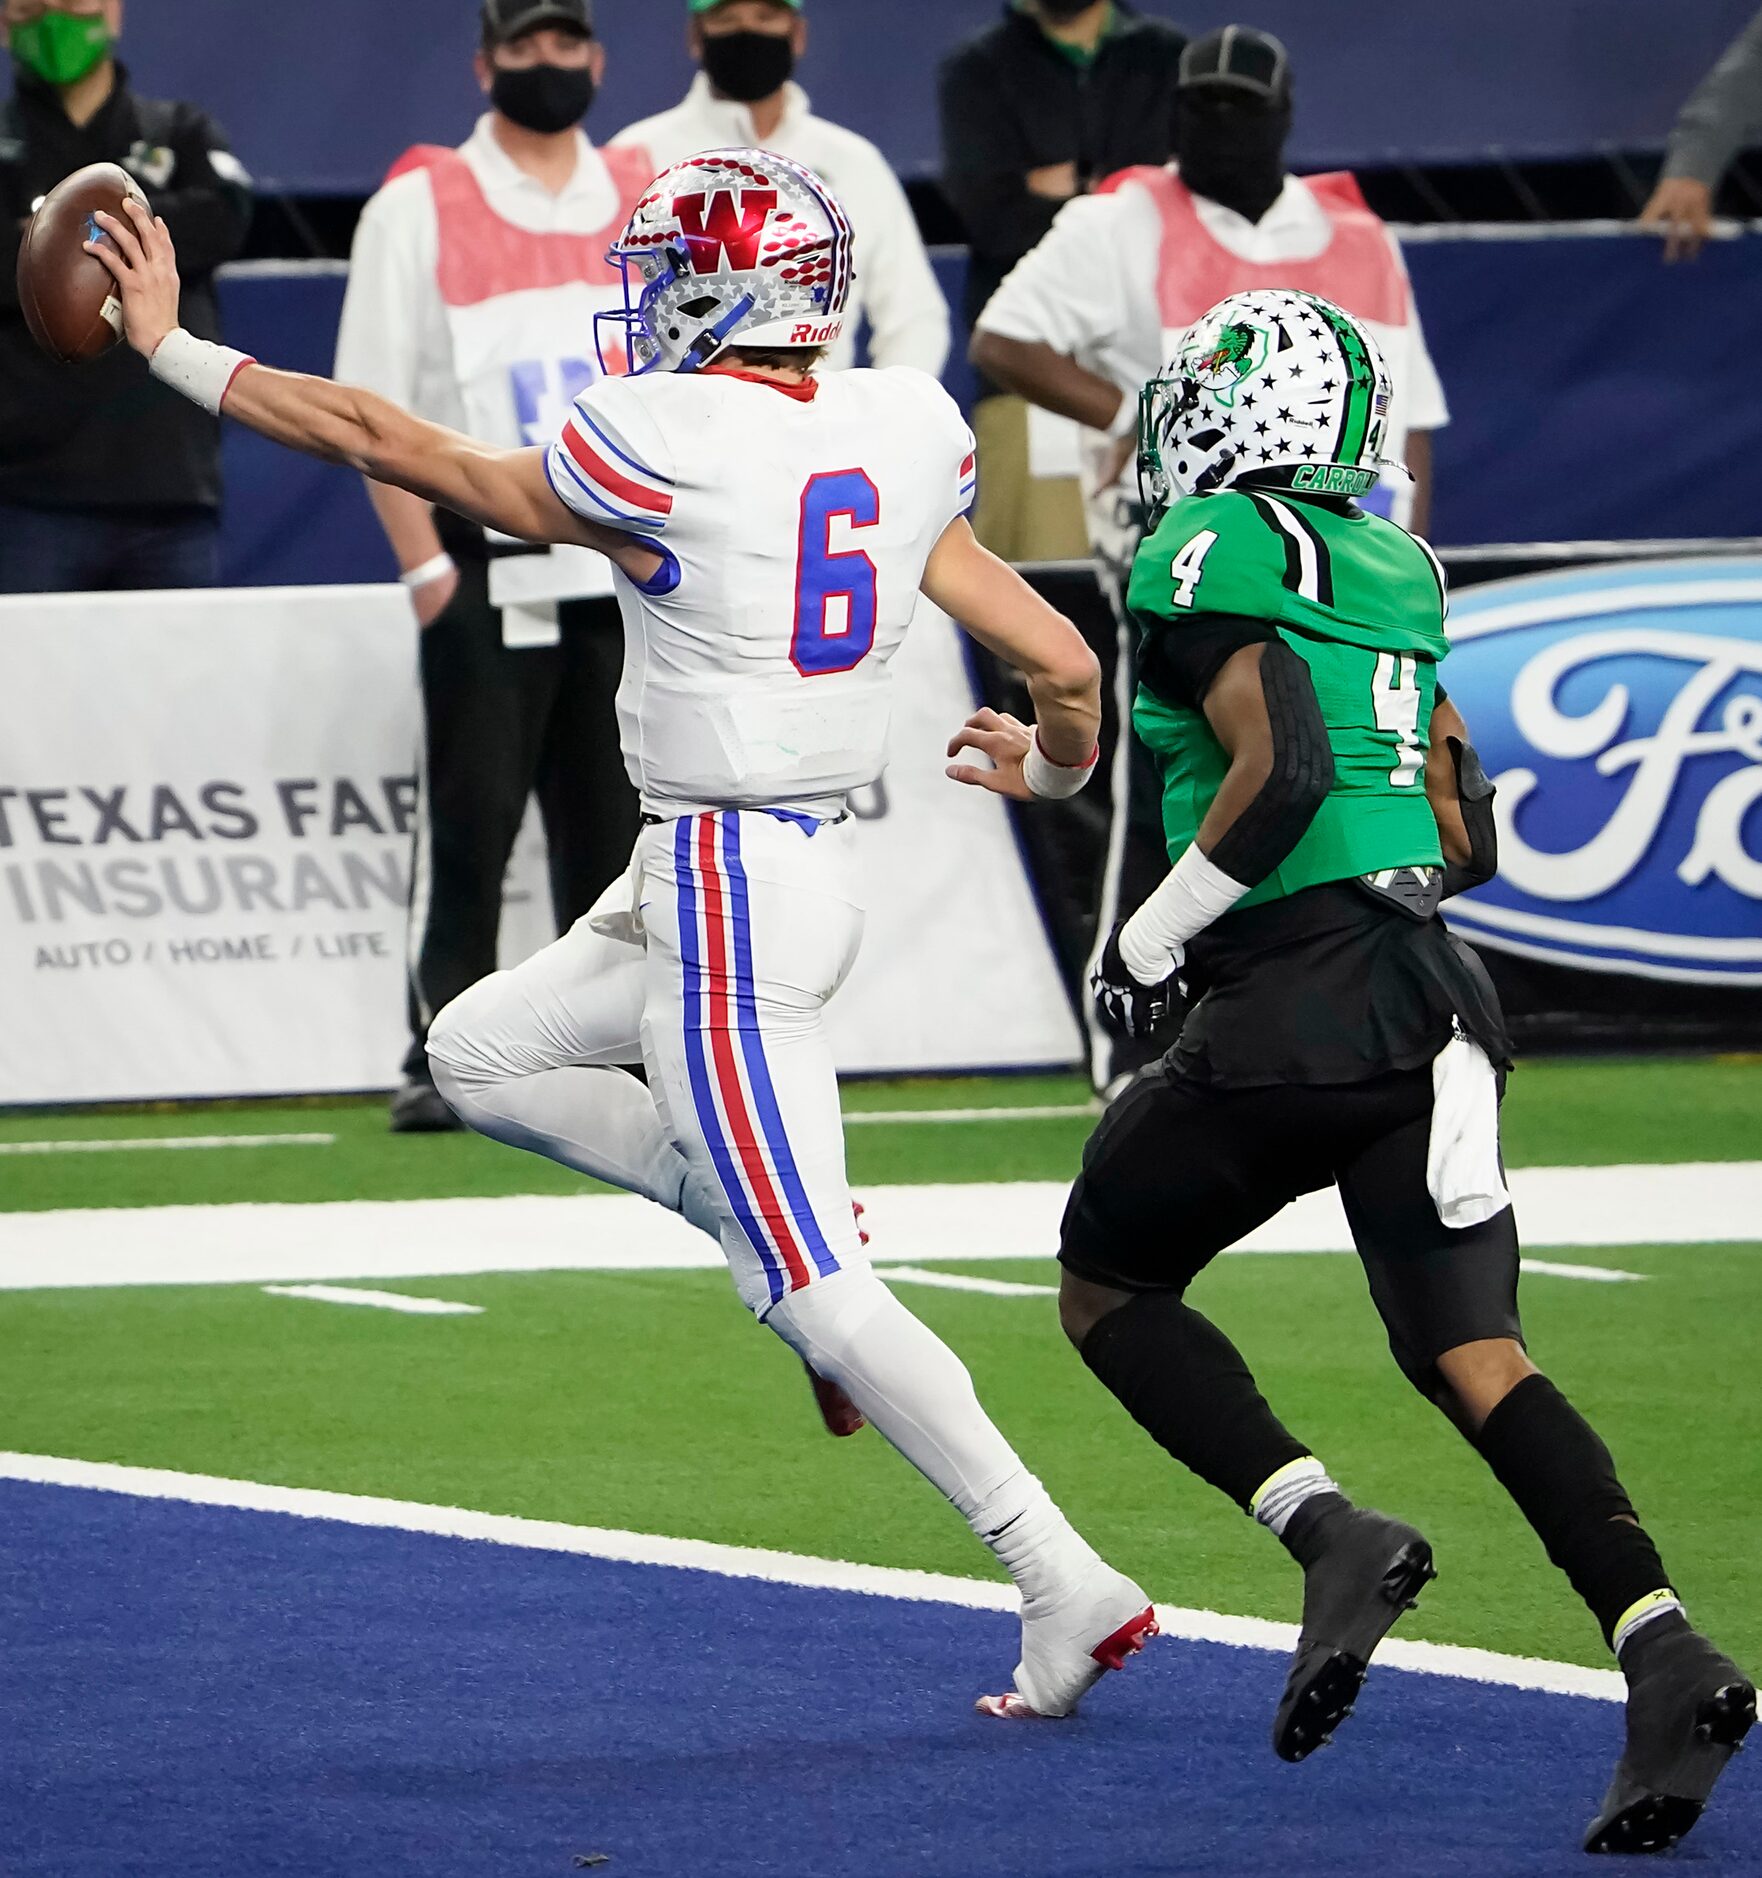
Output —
<point x="1272" y="388"/>
<point x="734" y="247"/>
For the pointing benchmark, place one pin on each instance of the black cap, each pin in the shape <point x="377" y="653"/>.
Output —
<point x="1238" y="58"/>
<point x="508" y="19"/>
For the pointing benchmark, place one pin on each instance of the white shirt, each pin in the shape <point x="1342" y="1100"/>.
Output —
<point x="1090" y="291"/>
<point x="396" y="337"/>
<point x="895" y="287"/>
<point x="795" y="535"/>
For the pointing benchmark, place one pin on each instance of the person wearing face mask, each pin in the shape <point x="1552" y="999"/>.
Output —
<point x="745" y="97"/>
<point x="1037" y="109"/>
<point x="105" y="481"/>
<point x="475" y="279"/>
<point x="1090" y="315"/>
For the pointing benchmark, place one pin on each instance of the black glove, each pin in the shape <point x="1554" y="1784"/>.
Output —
<point x="1475" y="792"/>
<point x="1126" y="1008"/>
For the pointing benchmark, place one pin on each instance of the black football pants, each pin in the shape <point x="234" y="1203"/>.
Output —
<point x="1176" y="1172"/>
<point x="504" y="725"/>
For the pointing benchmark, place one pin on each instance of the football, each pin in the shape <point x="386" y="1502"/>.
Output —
<point x="69" y="300"/>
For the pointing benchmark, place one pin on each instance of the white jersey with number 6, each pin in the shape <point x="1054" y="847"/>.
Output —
<point x="794" y="527"/>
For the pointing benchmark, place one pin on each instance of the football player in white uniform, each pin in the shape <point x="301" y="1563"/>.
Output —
<point x="772" y="532"/>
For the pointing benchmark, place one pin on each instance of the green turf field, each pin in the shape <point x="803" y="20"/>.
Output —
<point x="650" y="1401"/>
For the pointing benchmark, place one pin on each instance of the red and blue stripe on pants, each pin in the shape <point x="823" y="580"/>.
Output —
<point x="731" y="1084"/>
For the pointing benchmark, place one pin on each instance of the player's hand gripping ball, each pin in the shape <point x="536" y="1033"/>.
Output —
<point x="71" y="302"/>
<point x="1126" y="1008"/>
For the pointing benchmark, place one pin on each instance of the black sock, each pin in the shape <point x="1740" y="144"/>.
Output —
<point x="1184" y="1382"/>
<point x="1554" y="1465"/>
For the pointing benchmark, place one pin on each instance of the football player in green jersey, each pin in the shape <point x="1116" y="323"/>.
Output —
<point x="1319" y="799"/>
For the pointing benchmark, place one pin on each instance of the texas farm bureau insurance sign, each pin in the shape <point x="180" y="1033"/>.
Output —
<point x="1619" y="710"/>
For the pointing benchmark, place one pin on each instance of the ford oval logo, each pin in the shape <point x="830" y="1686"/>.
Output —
<point x="1619" y="710"/>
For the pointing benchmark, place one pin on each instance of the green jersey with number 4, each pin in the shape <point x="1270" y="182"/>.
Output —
<point x="1361" y="601"/>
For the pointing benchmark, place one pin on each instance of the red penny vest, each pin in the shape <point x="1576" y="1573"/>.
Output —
<point x="520" y="307"/>
<point x="1359" y="269"/>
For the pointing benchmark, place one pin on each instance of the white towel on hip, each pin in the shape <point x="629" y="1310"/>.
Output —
<point x="1463" y="1174"/>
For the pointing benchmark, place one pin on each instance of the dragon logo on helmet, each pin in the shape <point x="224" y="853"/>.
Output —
<point x="731" y="248"/>
<point x="1232" y="356"/>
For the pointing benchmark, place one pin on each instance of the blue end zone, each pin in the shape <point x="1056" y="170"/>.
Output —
<point x="212" y="1694"/>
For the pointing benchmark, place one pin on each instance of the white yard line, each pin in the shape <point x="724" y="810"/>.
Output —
<point x="1557" y="1207"/>
<point x="787" y="1568"/>
<point x="1595" y="1274"/>
<point x="172" y="1143"/>
<point x="1051" y="1112"/>
<point x="376" y="1300"/>
<point x="960" y="1281"/>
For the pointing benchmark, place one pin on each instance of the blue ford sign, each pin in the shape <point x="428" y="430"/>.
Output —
<point x="1620" y="713"/>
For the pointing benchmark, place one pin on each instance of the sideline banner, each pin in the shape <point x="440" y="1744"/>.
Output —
<point x="1618" y="707"/>
<point x="206" y="812"/>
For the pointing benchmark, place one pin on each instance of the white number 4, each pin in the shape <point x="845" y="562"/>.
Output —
<point x="1186" y="566"/>
<point x="1395" y="696"/>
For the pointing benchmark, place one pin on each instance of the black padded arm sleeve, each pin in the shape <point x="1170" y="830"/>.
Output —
<point x="1179" y="661"/>
<point x="1297" y="784"/>
<point x="1475" y="792"/>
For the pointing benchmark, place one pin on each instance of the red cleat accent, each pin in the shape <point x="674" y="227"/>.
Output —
<point x="857" y="1207"/>
<point x="1128" y="1640"/>
<point x="840" y="1414"/>
<point x="1111" y="1653"/>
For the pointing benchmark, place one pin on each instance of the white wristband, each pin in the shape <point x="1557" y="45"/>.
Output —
<point x="429" y="572"/>
<point x="202" y="372"/>
<point x="1195" y="894"/>
<point x="1053" y="780"/>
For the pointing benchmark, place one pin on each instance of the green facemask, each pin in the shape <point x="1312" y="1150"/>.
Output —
<point x="61" y="48"/>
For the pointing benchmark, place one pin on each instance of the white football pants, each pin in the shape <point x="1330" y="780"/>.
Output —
<point x="748" y="924"/>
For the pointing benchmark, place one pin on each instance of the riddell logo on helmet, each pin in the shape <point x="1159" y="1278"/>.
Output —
<point x="814" y="335"/>
<point x="724" y="231"/>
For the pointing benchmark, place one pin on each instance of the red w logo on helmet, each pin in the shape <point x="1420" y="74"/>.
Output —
<point x="720" y="230"/>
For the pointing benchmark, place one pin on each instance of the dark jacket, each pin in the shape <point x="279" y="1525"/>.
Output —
<point x="106" y="435"/>
<point x="1012" y="102"/>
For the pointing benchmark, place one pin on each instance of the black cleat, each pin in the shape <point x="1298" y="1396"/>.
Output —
<point x="1361" y="1570"/>
<point x="1688" y="1710"/>
<point x="419" y="1109"/>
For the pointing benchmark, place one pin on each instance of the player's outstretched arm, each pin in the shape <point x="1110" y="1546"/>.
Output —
<point x="992" y="602"/>
<point x="503" y="489"/>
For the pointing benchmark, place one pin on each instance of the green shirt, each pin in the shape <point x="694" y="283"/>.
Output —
<point x="1361" y="602"/>
<point x="1082" y="57"/>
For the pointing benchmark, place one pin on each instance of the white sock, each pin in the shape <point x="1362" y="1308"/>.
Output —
<point x="1280" y="1494"/>
<point x="1640" y="1613"/>
<point x="913" y="1388"/>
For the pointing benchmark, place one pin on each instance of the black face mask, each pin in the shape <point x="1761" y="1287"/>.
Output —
<point x="1059" y="11"/>
<point x="1232" y="153"/>
<point x="748" y="66"/>
<point x="543" y="98"/>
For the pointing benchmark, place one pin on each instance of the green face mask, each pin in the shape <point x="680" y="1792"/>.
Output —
<point x="61" y="48"/>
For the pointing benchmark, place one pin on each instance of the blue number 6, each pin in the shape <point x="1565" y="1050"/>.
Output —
<point x="827" y="638"/>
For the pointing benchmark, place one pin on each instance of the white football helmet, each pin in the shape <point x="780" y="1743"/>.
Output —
<point x="1278" y="388"/>
<point x="734" y="247"/>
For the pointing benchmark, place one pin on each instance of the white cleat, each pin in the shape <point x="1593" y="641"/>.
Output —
<point x="1069" y="1646"/>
